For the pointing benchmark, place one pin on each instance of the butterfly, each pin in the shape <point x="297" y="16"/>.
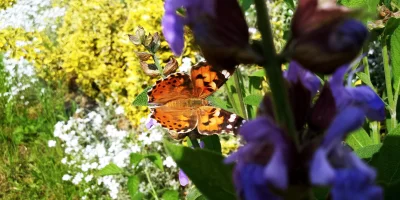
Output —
<point x="178" y="102"/>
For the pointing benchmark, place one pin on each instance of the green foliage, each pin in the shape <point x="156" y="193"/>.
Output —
<point x="212" y="143"/>
<point x="208" y="172"/>
<point x="133" y="188"/>
<point x="395" y="56"/>
<point x="170" y="195"/>
<point x="359" y="139"/>
<point x="110" y="169"/>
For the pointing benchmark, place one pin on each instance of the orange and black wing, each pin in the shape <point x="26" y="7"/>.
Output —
<point x="174" y="119"/>
<point x="214" y="120"/>
<point x="173" y="87"/>
<point x="206" y="80"/>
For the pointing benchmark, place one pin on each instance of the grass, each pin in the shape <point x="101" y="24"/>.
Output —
<point x="29" y="169"/>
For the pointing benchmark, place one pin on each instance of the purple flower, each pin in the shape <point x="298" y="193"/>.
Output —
<point x="321" y="159"/>
<point x="219" y="28"/>
<point x="183" y="178"/>
<point x="325" y="36"/>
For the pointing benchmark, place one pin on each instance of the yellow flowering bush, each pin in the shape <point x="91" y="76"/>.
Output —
<point x="6" y="3"/>
<point x="92" y="46"/>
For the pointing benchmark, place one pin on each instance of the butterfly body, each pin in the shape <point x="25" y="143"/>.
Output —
<point x="179" y="102"/>
<point x="191" y="103"/>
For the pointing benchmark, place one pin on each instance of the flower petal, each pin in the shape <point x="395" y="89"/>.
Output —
<point x="321" y="171"/>
<point x="276" y="171"/>
<point x="352" y="184"/>
<point x="183" y="179"/>
<point x="172" y="25"/>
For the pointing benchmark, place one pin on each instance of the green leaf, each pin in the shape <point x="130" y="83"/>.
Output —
<point x="359" y="139"/>
<point x="290" y="4"/>
<point x="368" y="151"/>
<point x="253" y="99"/>
<point x="212" y="143"/>
<point x="156" y="159"/>
<point x="387" y="160"/>
<point x="395" y="55"/>
<point x="135" y="158"/>
<point x="391" y="26"/>
<point x="392" y="191"/>
<point x="142" y="99"/>
<point x="369" y="5"/>
<point x="395" y="131"/>
<point x="258" y="73"/>
<point x="133" y="188"/>
<point x="205" y="169"/>
<point x="194" y="194"/>
<point x="170" y="195"/>
<point x="110" y="169"/>
<point x="365" y="79"/>
<point x="245" y="4"/>
<point x="218" y="102"/>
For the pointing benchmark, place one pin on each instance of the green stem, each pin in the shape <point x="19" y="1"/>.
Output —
<point x="157" y="63"/>
<point x="236" y="78"/>
<point x="195" y="143"/>
<point x="375" y="135"/>
<point x="151" y="184"/>
<point x="366" y="67"/>
<point x="272" y="66"/>
<point x="388" y="81"/>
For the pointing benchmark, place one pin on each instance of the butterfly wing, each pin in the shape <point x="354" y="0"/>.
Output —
<point x="175" y="86"/>
<point x="206" y="79"/>
<point x="214" y="120"/>
<point x="174" y="119"/>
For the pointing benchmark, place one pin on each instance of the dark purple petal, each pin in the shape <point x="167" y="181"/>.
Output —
<point x="172" y="25"/>
<point x="253" y="185"/>
<point x="349" y="36"/>
<point x="321" y="171"/>
<point x="352" y="184"/>
<point x="261" y="129"/>
<point x="276" y="171"/>
<point x="297" y="73"/>
<point x="362" y="96"/>
<point x="183" y="179"/>
<point x="346" y="121"/>
<point x="370" y="101"/>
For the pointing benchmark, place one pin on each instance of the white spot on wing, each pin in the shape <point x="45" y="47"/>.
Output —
<point x="226" y="73"/>
<point x="229" y="126"/>
<point x="232" y="118"/>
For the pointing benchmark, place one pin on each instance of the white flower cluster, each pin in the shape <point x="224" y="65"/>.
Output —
<point x="92" y="141"/>
<point x="20" y="75"/>
<point x="30" y="15"/>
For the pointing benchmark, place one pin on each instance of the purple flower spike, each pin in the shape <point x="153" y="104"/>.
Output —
<point x="261" y="161"/>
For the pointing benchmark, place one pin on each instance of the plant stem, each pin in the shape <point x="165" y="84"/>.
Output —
<point x="151" y="184"/>
<point x="389" y="89"/>
<point x="195" y="143"/>
<point x="236" y="78"/>
<point x="157" y="63"/>
<point x="375" y="135"/>
<point x="272" y="66"/>
<point x="366" y="67"/>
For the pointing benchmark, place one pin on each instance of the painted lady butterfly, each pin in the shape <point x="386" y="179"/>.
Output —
<point x="179" y="103"/>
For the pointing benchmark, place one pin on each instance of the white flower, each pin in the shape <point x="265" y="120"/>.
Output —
<point x="186" y="65"/>
<point x="169" y="162"/>
<point x="78" y="178"/>
<point x="119" y="110"/>
<point x="88" y="178"/>
<point x="64" y="161"/>
<point x="51" y="143"/>
<point x="135" y="148"/>
<point x="66" y="177"/>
